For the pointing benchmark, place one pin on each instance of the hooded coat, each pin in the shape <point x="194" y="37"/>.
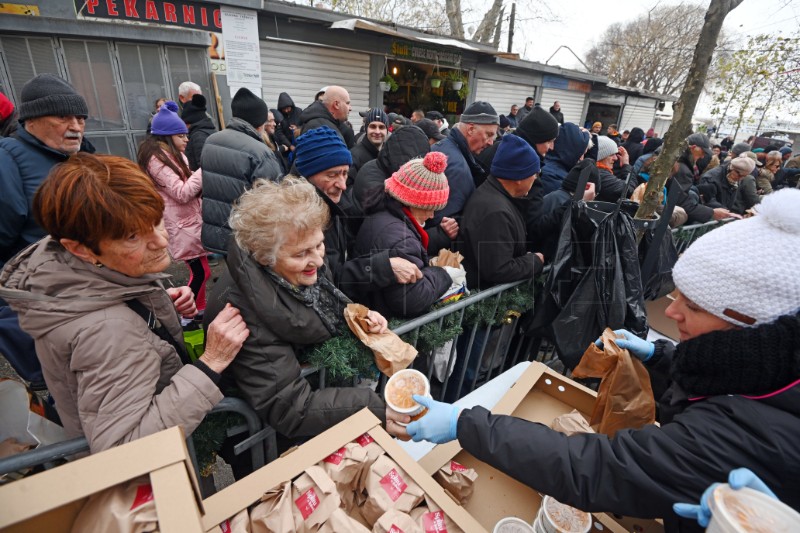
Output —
<point x="267" y="370"/>
<point x="634" y="145"/>
<point x="568" y="148"/>
<point x="113" y="380"/>
<point x="283" y="132"/>
<point x="232" y="160"/>
<point x="317" y="115"/>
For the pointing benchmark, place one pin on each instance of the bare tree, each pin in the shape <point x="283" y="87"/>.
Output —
<point x="653" y="52"/>
<point x="674" y="140"/>
<point x="423" y="14"/>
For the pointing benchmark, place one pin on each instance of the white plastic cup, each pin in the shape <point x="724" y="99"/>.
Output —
<point x="416" y="411"/>
<point x="547" y="523"/>
<point x="512" y="524"/>
<point x="749" y="511"/>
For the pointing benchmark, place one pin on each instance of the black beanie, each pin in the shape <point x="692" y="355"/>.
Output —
<point x="194" y="111"/>
<point x="47" y="94"/>
<point x="249" y="107"/>
<point x="538" y="126"/>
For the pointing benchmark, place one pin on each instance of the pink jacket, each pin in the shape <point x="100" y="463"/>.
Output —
<point x="182" y="209"/>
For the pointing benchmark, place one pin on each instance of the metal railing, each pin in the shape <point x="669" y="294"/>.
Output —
<point x="683" y="236"/>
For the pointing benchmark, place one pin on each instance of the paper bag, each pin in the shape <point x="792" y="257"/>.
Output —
<point x="571" y="423"/>
<point x="458" y="480"/>
<point x="314" y="498"/>
<point x="345" y="467"/>
<point x="240" y="523"/>
<point x="431" y="519"/>
<point x="126" y="508"/>
<point x="393" y="521"/>
<point x="625" y="398"/>
<point x="451" y="262"/>
<point x="389" y="487"/>
<point x="340" y="522"/>
<point x="274" y="513"/>
<point x="391" y="352"/>
<point x="446" y="258"/>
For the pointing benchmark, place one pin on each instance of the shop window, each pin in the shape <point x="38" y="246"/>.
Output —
<point x="90" y="71"/>
<point x="190" y="64"/>
<point x="112" y="144"/>
<point x="142" y="81"/>
<point x="25" y="57"/>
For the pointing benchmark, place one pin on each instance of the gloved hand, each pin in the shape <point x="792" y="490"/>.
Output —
<point x="438" y="425"/>
<point x="741" y="477"/>
<point x="638" y="347"/>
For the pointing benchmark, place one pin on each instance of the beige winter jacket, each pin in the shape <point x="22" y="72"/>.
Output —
<point x="113" y="380"/>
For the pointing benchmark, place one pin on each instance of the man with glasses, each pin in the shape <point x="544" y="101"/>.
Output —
<point x="331" y="111"/>
<point x="725" y="191"/>
<point x="689" y="197"/>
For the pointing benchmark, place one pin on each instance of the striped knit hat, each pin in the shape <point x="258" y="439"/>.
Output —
<point x="421" y="183"/>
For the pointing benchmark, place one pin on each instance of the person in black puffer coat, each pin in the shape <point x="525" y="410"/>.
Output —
<point x="331" y="111"/>
<point x="633" y="145"/>
<point x="288" y="128"/>
<point x="396" y="223"/>
<point x="728" y="393"/>
<point x="201" y="127"/>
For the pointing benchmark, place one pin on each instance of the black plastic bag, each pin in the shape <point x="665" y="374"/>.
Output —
<point x="659" y="281"/>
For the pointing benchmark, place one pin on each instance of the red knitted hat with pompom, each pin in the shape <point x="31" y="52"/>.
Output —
<point x="421" y="183"/>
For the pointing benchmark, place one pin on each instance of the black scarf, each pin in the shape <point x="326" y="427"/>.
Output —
<point x="749" y="361"/>
<point x="326" y="300"/>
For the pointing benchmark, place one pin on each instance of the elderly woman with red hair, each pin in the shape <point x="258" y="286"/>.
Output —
<point x="91" y="295"/>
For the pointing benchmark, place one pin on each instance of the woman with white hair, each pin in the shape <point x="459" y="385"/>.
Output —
<point x="278" y="279"/>
<point x="732" y="383"/>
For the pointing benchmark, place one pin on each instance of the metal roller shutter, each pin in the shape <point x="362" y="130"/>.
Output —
<point x="301" y="70"/>
<point x="572" y="103"/>
<point x="503" y="95"/>
<point x="638" y="113"/>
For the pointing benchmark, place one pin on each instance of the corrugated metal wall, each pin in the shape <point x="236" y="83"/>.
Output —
<point x="572" y="103"/>
<point x="503" y="95"/>
<point x="638" y="113"/>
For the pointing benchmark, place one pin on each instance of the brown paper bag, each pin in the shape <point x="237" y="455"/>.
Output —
<point x="239" y="523"/>
<point x="391" y="352"/>
<point x="389" y="487"/>
<point x="340" y="522"/>
<point x="625" y="398"/>
<point x="446" y="258"/>
<point x="314" y="498"/>
<point x="274" y="513"/>
<point x="393" y="521"/>
<point x="458" y="480"/>
<point x="430" y="519"/>
<point x="345" y="467"/>
<point x="126" y="508"/>
<point x="571" y="423"/>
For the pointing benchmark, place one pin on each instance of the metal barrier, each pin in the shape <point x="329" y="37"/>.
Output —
<point x="683" y="236"/>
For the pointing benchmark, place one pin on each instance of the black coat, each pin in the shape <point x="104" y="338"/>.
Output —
<point x="492" y="239"/>
<point x="363" y="152"/>
<point x="391" y="230"/>
<point x="612" y="187"/>
<point x="642" y="473"/>
<point x="198" y="133"/>
<point x="283" y="131"/>
<point x="558" y="115"/>
<point x="696" y="212"/>
<point x="317" y="115"/>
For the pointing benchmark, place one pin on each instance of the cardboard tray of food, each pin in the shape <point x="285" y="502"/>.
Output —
<point x="658" y="320"/>
<point x="52" y="500"/>
<point x="245" y="492"/>
<point x="539" y="395"/>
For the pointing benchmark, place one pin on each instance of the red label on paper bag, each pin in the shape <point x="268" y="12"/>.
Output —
<point x="395" y="529"/>
<point x="336" y="457"/>
<point x="393" y="484"/>
<point x="307" y="503"/>
<point x="144" y="494"/>
<point x="434" y="522"/>
<point x="457" y="467"/>
<point x="365" y="439"/>
<point x="225" y="526"/>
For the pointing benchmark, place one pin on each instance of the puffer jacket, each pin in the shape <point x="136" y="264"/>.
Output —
<point x="283" y="132"/>
<point x="183" y="216"/>
<point x="569" y="146"/>
<point x="390" y="230"/>
<point x="464" y="171"/>
<point x="363" y="152"/>
<point x="24" y="164"/>
<point x="687" y="198"/>
<point x="113" y="380"/>
<point x="199" y="132"/>
<point x="232" y="160"/>
<point x="266" y="370"/>
<point x="317" y="115"/>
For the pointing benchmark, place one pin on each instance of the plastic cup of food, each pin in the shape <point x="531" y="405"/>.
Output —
<point x="512" y="524"/>
<point x="399" y="391"/>
<point x="555" y="517"/>
<point x="749" y="511"/>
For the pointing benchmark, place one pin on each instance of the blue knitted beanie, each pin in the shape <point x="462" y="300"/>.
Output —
<point x="320" y="149"/>
<point x="515" y="159"/>
<point x="167" y="121"/>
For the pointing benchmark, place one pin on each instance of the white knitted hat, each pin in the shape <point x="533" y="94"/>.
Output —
<point x="746" y="271"/>
<point x="605" y="147"/>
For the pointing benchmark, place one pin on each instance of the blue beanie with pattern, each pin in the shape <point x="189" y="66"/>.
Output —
<point x="167" y="121"/>
<point x="320" y="149"/>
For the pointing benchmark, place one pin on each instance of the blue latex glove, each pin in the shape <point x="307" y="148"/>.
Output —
<point x="438" y="425"/>
<point x="741" y="477"/>
<point x="638" y="347"/>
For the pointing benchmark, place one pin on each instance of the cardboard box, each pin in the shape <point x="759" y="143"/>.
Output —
<point x="539" y="395"/>
<point x="659" y="321"/>
<point x="247" y="491"/>
<point x="50" y="501"/>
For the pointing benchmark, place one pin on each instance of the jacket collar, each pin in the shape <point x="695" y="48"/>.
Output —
<point x="242" y="126"/>
<point x="26" y="137"/>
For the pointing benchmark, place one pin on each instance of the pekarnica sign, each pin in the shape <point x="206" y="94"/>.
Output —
<point x="188" y="14"/>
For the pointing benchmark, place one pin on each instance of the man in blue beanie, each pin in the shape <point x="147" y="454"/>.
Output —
<point x="322" y="158"/>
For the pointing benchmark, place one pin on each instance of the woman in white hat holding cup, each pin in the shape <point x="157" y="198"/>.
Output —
<point x="731" y="388"/>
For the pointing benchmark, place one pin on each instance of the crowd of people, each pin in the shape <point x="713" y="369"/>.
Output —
<point x="312" y="212"/>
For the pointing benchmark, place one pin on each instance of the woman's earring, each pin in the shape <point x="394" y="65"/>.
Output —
<point x="99" y="264"/>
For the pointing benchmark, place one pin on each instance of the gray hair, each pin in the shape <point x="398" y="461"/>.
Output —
<point x="264" y="215"/>
<point x="188" y="86"/>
